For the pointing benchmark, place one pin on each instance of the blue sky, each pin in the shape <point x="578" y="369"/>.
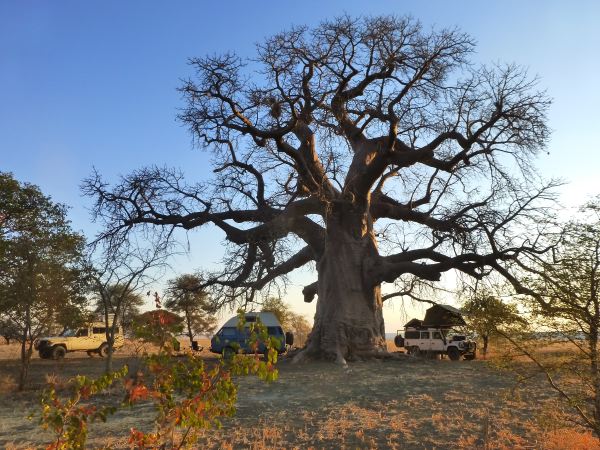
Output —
<point x="93" y="84"/>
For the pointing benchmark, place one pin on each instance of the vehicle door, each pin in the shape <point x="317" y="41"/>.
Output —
<point x="226" y="337"/>
<point x="81" y="340"/>
<point x="411" y="338"/>
<point x="424" y="341"/>
<point x="437" y="341"/>
<point x="98" y="337"/>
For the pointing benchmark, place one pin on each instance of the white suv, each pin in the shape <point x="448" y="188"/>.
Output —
<point x="436" y="341"/>
<point x="91" y="339"/>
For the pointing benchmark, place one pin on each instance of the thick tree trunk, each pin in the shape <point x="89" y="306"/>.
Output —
<point x="349" y="319"/>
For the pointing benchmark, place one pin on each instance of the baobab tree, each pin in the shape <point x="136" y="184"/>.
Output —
<point x="370" y="147"/>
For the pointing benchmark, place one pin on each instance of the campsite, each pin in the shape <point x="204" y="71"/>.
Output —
<point x="304" y="225"/>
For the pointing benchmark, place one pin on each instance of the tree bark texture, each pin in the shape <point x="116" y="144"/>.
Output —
<point x="349" y="320"/>
<point x="25" y="359"/>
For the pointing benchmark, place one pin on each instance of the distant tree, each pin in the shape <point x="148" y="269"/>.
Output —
<point x="290" y="320"/>
<point x="159" y="327"/>
<point x="72" y="316"/>
<point x="300" y="326"/>
<point x="369" y="148"/>
<point x="278" y="307"/>
<point x="40" y="264"/>
<point x="486" y="314"/>
<point x="120" y="271"/>
<point x="185" y="295"/>
<point x="130" y="304"/>
<point x="8" y="330"/>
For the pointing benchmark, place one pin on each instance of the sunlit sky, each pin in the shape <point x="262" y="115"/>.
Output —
<point x="93" y="84"/>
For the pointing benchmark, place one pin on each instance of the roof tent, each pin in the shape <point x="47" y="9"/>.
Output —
<point x="443" y="316"/>
<point x="438" y="316"/>
<point x="414" y="323"/>
<point x="268" y="319"/>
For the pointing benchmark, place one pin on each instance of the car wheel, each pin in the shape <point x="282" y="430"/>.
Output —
<point x="453" y="354"/>
<point x="289" y="338"/>
<point x="103" y="350"/>
<point x="59" y="352"/>
<point x="44" y="354"/>
<point x="414" y="351"/>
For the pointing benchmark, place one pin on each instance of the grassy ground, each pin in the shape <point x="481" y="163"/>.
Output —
<point x="405" y="403"/>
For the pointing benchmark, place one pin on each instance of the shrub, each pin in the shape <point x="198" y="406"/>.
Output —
<point x="188" y="395"/>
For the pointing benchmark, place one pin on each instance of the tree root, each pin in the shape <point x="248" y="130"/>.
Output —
<point x="306" y="355"/>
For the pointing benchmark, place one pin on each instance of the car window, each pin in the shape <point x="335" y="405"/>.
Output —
<point x="411" y="335"/>
<point x="274" y="331"/>
<point x="99" y="330"/>
<point x="424" y="334"/>
<point x="437" y="335"/>
<point x="229" y="332"/>
<point x="82" y="332"/>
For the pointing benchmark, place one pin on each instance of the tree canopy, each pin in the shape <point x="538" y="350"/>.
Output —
<point x="185" y="295"/>
<point x="370" y="147"/>
<point x="290" y="320"/>
<point x="127" y="301"/>
<point x="563" y="293"/>
<point x="41" y="278"/>
<point x="486" y="314"/>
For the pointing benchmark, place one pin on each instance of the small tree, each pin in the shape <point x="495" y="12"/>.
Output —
<point x="159" y="327"/>
<point x="8" y="330"/>
<point x="131" y="302"/>
<point x="290" y="321"/>
<point x="486" y="314"/>
<point x="40" y="257"/>
<point x="564" y="295"/>
<point x="278" y="307"/>
<point x="187" y="395"/>
<point x="298" y="325"/>
<point x="185" y="295"/>
<point x="126" y="265"/>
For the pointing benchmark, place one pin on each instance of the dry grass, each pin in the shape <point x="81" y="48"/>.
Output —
<point x="8" y="384"/>
<point x="399" y="404"/>
<point x="569" y="439"/>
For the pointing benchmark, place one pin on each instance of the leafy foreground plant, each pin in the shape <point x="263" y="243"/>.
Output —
<point x="188" y="396"/>
<point x="68" y="418"/>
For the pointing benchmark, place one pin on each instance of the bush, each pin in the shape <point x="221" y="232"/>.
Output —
<point x="188" y="396"/>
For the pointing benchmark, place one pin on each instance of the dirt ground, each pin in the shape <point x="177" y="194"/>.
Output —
<point x="406" y="403"/>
